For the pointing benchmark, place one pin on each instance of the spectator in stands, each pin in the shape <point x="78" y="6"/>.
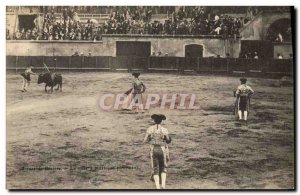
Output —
<point x="250" y="12"/>
<point x="23" y="34"/>
<point x="250" y="55"/>
<point x="71" y="13"/>
<point x="279" y="56"/>
<point x="181" y="14"/>
<point x="76" y="53"/>
<point x="241" y="55"/>
<point x="255" y="55"/>
<point x="17" y="35"/>
<point x="35" y="21"/>
<point x="279" y="38"/>
<point x="75" y="17"/>
<point x="65" y="15"/>
<point x="7" y="35"/>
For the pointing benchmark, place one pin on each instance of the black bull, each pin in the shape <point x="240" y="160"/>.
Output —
<point x="51" y="80"/>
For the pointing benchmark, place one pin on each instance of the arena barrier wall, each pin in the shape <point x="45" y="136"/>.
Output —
<point x="213" y="45"/>
<point x="154" y="64"/>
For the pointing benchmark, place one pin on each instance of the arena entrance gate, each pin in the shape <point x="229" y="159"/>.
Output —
<point x="133" y="48"/>
<point x="194" y="50"/>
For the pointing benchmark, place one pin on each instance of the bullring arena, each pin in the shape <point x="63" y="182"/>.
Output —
<point x="67" y="129"/>
<point x="63" y="140"/>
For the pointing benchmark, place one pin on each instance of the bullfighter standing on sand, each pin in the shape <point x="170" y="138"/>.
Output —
<point x="243" y="94"/>
<point x="135" y="93"/>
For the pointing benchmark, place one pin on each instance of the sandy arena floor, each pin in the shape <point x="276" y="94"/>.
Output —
<point x="66" y="132"/>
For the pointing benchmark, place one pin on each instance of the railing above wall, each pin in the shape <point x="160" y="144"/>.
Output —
<point x="230" y="66"/>
<point x="172" y="36"/>
<point x="53" y="41"/>
<point x="140" y="36"/>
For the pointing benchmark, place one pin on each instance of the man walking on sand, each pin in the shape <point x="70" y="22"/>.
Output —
<point x="159" y="139"/>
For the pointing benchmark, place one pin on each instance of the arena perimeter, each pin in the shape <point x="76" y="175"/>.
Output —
<point x="58" y="140"/>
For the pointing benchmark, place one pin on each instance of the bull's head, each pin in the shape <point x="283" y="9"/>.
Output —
<point x="40" y="78"/>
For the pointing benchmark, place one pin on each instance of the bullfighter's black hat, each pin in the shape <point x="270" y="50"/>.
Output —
<point x="136" y="74"/>
<point x="158" y="117"/>
<point x="243" y="79"/>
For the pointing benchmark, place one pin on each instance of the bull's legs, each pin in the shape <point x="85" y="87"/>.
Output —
<point x="52" y="89"/>
<point x="60" y="87"/>
<point x="46" y="88"/>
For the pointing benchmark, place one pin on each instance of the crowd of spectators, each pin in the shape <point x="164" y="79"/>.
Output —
<point x="191" y="22"/>
<point x="197" y="23"/>
<point x="67" y="27"/>
<point x="250" y="55"/>
<point x="128" y="20"/>
<point x="132" y="20"/>
<point x="108" y="9"/>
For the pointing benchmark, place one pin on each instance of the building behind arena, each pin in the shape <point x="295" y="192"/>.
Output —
<point x="263" y="33"/>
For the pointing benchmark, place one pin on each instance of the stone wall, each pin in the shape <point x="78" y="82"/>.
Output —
<point x="257" y="28"/>
<point x="174" y="46"/>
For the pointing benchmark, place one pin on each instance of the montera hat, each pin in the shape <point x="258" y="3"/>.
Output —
<point x="158" y="117"/>
<point x="136" y="74"/>
<point x="243" y="79"/>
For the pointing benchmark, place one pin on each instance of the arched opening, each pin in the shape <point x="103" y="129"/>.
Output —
<point x="194" y="50"/>
<point x="280" y="31"/>
<point x="26" y="22"/>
